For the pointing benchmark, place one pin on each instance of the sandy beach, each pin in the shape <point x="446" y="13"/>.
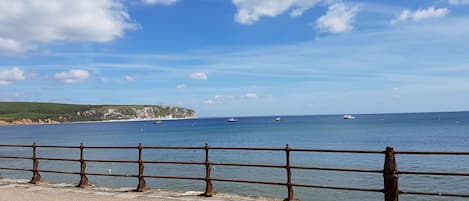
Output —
<point x="21" y="190"/>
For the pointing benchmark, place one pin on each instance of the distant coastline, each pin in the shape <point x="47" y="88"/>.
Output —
<point x="26" y="122"/>
<point x="31" y="113"/>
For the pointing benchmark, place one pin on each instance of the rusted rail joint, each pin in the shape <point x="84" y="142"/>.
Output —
<point x="208" y="181"/>
<point x="391" y="189"/>
<point x="142" y="184"/>
<point x="83" y="179"/>
<point x="291" y="195"/>
<point x="36" y="176"/>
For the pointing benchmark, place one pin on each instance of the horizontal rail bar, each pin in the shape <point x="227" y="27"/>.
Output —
<point x="435" y="173"/>
<point x="339" y="188"/>
<point x="16" y="157"/>
<point x="110" y="161"/>
<point x="247" y="148"/>
<point x="174" y="162"/>
<point x="18" y="169"/>
<point x="110" y="147"/>
<point x="248" y="181"/>
<point x="248" y="165"/>
<point x="58" y="172"/>
<point x="432" y="193"/>
<point x="59" y="159"/>
<point x="337" y="151"/>
<point x="432" y="152"/>
<point x="58" y="146"/>
<point x="171" y="147"/>
<point x="112" y="175"/>
<point x="15" y="145"/>
<point x="336" y="169"/>
<point x="173" y="177"/>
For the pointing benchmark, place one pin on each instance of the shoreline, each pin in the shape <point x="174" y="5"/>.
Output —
<point x="20" y="189"/>
<point x="4" y="123"/>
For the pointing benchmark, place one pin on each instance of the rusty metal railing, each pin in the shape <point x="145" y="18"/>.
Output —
<point x="390" y="172"/>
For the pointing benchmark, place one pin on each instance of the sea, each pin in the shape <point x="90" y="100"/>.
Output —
<point x="443" y="131"/>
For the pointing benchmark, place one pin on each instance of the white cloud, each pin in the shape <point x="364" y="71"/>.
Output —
<point x="421" y="14"/>
<point x="161" y="2"/>
<point x="217" y="99"/>
<point x="210" y="102"/>
<point x="129" y="78"/>
<point x="11" y="46"/>
<point x="395" y="92"/>
<point x="221" y="99"/>
<point x="458" y="2"/>
<point x="249" y="11"/>
<point x="26" y="23"/>
<point x="339" y="18"/>
<point x="72" y="76"/>
<point x="298" y="12"/>
<point x="8" y="76"/>
<point x="250" y="95"/>
<point x="198" y="76"/>
<point x="181" y="86"/>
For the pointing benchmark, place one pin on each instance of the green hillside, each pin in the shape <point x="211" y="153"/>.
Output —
<point x="33" y="111"/>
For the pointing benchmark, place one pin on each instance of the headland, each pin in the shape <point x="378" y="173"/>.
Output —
<point x="23" y="113"/>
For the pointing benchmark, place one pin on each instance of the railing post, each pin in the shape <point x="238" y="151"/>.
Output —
<point x="291" y="196"/>
<point x="141" y="180"/>
<point x="36" y="176"/>
<point x="391" y="188"/>
<point x="208" y="180"/>
<point x="83" y="179"/>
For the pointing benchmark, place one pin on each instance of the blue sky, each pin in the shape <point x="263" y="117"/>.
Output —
<point x="240" y="57"/>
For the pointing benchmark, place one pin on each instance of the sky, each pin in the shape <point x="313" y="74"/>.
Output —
<point x="239" y="57"/>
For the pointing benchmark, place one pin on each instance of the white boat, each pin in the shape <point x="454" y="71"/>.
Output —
<point x="349" y="116"/>
<point x="158" y="122"/>
<point x="278" y="119"/>
<point x="232" y="119"/>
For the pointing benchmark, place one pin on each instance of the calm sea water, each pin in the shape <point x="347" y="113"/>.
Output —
<point x="422" y="131"/>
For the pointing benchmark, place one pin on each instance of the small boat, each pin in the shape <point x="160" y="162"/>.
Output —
<point x="158" y="122"/>
<point x="278" y="119"/>
<point x="349" y="116"/>
<point x="232" y="119"/>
